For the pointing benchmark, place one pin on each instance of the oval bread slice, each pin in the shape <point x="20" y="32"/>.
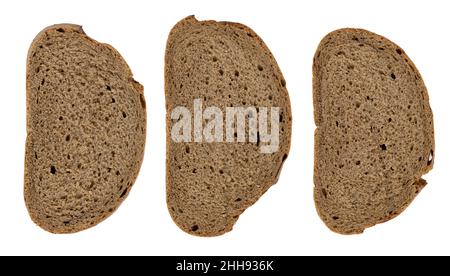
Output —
<point x="224" y="65"/>
<point x="86" y="124"/>
<point x="374" y="138"/>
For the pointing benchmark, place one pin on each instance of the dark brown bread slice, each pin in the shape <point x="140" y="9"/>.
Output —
<point x="226" y="64"/>
<point x="374" y="138"/>
<point x="86" y="124"/>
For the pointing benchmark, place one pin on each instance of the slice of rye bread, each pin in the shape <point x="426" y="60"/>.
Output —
<point x="86" y="124"/>
<point x="374" y="138"/>
<point x="225" y="64"/>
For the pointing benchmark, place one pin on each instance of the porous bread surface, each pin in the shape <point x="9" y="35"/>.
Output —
<point x="225" y="65"/>
<point x="86" y="127"/>
<point x="374" y="138"/>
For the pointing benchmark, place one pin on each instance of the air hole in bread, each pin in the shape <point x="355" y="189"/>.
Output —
<point x="283" y="82"/>
<point x="260" y="68"/>
<point x="194" y="228"/>
<point x="52" y="170"/>
<point x="188" y="150"/>
<point x="221" y="72"/>
<point x="393" y="76"/>
<point x="324" y="193"/>
<point x="383" y="147"/>
<point x="238" y="199"/>
<point x="124" y="114"/>
<point x="430" y="158"/>
<point x="141" y="98"/>
<point x="236" y="73"/>
<point x="124" y="192"/>
<point x="89" y="188"/>
<point x="335" y="217"/>
<point x="108" y="88"/>
<point x="399" y="51"/>
<point x="214" y="59"/>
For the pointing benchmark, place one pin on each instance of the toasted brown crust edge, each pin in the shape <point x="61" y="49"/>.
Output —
<point x="429" y="132"/>
<point x="26" y="193"/>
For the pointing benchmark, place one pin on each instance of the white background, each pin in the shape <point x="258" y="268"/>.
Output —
<point x="284" y="220"/>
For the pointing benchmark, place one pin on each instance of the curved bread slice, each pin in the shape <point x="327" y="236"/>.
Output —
<point x="374" y="138"/>
<point x="225" y="65"/>
<point x="86" y="124"/>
